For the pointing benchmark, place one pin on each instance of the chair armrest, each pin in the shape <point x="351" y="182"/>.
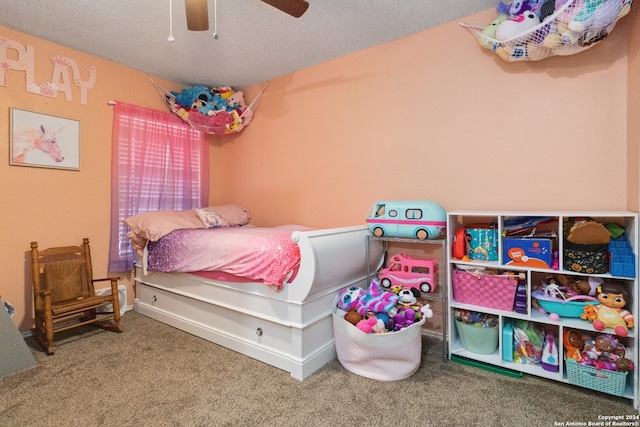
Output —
<point x="107" y="278"/>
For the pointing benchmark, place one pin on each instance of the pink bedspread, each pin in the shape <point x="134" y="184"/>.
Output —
<point x="257" y="253"/>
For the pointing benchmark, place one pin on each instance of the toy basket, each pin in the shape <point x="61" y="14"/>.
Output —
<point x="389" y="356"/>
<point x="480" y="340"/>
<point x="590" y="259"/>
<point x="222" y="122"/>
<point x="485" y="290"/>
<point x="612" y="382"/>
<point x="575" y="26"/>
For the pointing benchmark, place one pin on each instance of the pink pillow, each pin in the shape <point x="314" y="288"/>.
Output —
<point x="223" y="216"/>
<point x="156" y="224"/>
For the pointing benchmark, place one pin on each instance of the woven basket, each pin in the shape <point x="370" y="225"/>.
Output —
<point x="611" y="382"/>
<point x="569" y="30"/>
<point x="485" y="290"/>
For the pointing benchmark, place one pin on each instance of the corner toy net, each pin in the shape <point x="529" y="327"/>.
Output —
<point x="216" y="110"/>
<point x="536" y="29"/>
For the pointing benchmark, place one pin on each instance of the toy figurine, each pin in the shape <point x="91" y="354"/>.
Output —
<point x="611" y="312"/>
<point x="573" y="344"/>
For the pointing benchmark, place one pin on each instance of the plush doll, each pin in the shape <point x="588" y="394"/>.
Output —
<point x="488" y="33"/>
<point x="516" y="25"/>
<point x="190" y="94"/>
<point x="611" y="312"/>
<point x="374" y="300"/>
<point x="353" y="316"/>
<point x="408" y="298"/>
<point x="367" y="324"/>
<point x="573" y="344"/>
<point x="184" y="98"/>
<point x="557" y="33"/>
<point x="586" y="15"/>
<point x="236" y="101"/>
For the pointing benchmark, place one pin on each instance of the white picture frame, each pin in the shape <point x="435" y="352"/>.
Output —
<point x="44" y="141"/>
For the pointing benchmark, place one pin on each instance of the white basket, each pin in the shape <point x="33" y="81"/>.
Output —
<point x="122" y="300"/>
<point x="387" y="356"/>
<point x="562" y="33"/>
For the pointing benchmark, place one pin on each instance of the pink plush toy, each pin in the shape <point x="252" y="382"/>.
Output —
<point x="367" y="324"/>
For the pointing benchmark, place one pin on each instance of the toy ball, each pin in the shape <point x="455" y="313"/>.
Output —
<point x="554" y="317"/>
<point x="516" y="25"/>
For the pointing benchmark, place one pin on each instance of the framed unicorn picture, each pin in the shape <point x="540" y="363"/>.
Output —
<point x="44" y="141"/>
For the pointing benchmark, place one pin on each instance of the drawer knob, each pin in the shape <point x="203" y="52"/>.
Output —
<point x="154" y="299"/>
<point x="259" y="332"/>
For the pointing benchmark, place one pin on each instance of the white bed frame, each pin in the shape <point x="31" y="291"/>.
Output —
<point x="290" y="329"/>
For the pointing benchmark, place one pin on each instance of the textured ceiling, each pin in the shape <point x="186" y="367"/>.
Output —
<point x="256" y="41"/>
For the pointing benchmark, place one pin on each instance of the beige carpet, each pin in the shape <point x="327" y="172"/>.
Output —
<point x="155" y="375"/>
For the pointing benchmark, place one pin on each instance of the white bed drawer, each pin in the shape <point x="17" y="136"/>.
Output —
<point x="242" y="327"/>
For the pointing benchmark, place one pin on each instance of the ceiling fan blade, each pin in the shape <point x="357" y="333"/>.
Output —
<point x="197" y="15"/>
<point x="295" y="8"/>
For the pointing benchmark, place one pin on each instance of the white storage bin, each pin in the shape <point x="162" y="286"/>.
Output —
<point x="122" y="299"/>
<point x="387" y="357"/>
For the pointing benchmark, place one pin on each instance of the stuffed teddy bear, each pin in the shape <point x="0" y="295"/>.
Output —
<point x="353" y="316"/>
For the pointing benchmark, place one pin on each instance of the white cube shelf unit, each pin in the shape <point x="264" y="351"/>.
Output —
<point x="532" y="275"/>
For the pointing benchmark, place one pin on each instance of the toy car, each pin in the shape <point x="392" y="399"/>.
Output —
<point x="417" y="219"/>
<point x="409" y="272"/>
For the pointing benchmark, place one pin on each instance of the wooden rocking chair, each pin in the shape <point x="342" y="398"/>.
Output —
<point x="64" y="295"/>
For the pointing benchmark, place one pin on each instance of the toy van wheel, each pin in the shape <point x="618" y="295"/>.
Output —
<point x="378" y="232"/>
<point x="422" y="234"/>
<point x="386" y="283"/>
<point x="425" y="287"/>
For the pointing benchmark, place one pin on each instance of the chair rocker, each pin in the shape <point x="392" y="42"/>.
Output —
<point x="64" y="295"/>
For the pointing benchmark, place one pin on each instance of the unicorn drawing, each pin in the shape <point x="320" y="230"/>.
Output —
<point x="36" y="138"/>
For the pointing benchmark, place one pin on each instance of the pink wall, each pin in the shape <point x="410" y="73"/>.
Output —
<point x="60" y="207"/>
<point x="434" y="116"/>
<point x="429" y="116"/>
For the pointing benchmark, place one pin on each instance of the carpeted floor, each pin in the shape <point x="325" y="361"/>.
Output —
<point x="154" y="375"/>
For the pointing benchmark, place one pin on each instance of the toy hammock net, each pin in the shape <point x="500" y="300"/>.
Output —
<point x="216" y="111"/>
<point x="544" y="28"/>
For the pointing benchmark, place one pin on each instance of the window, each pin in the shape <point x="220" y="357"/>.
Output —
<point x="158" y="163"/>
<point x="414" y="213"/>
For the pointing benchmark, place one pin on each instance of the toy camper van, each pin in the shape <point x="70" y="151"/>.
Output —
<point x="409" y="272"/>
<point x="418" y="219"/>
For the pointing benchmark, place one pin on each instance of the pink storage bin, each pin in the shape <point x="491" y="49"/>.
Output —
<point x="485" y="290"/>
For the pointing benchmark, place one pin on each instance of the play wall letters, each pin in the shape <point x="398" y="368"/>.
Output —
<point x="18" y="57"/>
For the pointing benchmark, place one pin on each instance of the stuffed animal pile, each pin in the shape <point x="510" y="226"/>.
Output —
<point x="530" y="30"/>
<point x="603" y="351"/>
<point x="217" y="110"/>
<point x="378" y="311"/>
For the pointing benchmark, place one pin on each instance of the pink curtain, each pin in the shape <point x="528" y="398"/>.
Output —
<point x="158" y="163"/>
